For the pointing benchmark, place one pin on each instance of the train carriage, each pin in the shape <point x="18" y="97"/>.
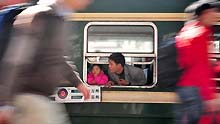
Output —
<point x="135" y="28"/>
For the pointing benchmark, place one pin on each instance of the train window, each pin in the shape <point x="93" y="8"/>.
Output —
<point x="137" y="41"/>
<point x="214" y="50"/>
<point x="215" y="45"/>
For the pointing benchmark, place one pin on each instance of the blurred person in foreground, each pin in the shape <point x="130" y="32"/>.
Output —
<point x="33" y="64"/>
<point x="195" y="87"/>
<point x="5" y="108"/>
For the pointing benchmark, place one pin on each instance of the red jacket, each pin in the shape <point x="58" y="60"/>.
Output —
<point x="192" y="48"/>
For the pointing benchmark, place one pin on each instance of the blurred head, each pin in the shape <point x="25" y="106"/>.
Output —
<point x="207" y="14"/>
<point x="96" y="69"/>
<point x="77" y="4"/>
<point x="116" y="62"/>
<point x="203" y="10"/>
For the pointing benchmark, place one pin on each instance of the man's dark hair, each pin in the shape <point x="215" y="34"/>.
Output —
<point x="199" y="6"/>
<point x="118" y="58"/>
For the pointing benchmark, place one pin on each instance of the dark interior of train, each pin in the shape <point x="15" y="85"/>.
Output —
<point x="147" y="68"/>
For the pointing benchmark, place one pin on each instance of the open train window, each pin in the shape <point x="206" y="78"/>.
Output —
<point x="137" y="41"/>
<point x="214" y="50"/>
<point x="215" y="45"/>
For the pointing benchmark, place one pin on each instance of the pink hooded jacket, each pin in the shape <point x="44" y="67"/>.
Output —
<point x="101" y="79"/>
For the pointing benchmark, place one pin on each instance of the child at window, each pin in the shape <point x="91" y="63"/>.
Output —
<point x="96" y="76"/>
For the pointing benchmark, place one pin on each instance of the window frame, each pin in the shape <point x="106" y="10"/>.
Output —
<point x="154" y="54"/>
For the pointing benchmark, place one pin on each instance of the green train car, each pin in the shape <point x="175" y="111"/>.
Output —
<point x="114" y="26"/>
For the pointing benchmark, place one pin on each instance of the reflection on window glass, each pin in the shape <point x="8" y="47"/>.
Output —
<point x="120" y="39"/>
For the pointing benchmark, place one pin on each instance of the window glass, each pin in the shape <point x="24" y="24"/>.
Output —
<point x="119" y="38"/>
<point x="214" y="46"/>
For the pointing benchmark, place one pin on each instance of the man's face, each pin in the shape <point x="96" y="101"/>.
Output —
<point x="209" y="17"/>
<point x="113" y="67"/>
<point x="77" y="4"/>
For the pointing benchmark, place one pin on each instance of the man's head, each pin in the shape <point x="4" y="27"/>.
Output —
<point x="204" y="10"/>
<point x="116" y="62"/>
<point x="207" y="14"/>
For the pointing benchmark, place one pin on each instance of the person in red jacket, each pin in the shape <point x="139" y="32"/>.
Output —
<point x="195" y="88"/>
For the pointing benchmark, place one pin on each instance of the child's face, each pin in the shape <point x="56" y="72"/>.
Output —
<point x="96" y="70"/>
